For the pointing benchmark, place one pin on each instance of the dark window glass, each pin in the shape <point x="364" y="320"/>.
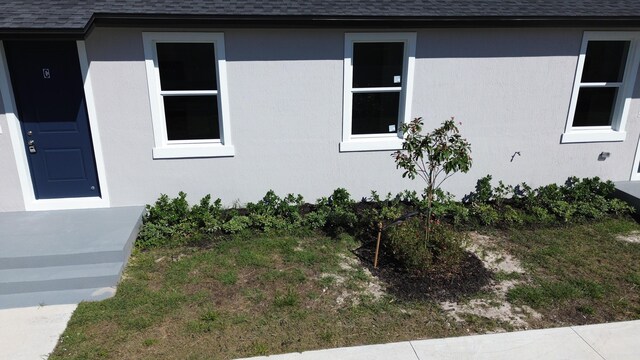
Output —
<point x="374" y="112"/>
<point x="605" y="61"/>
<point x="377" y="64"/>
<point x="595" y="106"/>
<point x="185" y="66"/>
<point x="191" y="117"/>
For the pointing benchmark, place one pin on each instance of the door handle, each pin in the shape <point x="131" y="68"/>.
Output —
<point x="32" y="146"/>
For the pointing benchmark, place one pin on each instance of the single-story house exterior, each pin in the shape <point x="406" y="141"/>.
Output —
<point x="110" y="103"/>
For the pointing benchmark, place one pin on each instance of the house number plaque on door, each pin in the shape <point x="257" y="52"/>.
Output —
<point x="46" y="73"/>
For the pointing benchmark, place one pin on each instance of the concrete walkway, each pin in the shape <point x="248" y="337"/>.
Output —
<point x="31" y="333"/>
<point x="617" y="341"/>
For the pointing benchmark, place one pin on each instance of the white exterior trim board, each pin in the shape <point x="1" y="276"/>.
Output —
<point x="15" y="134"/>
<point x="92" y="114"/>
<point x="635" y="174"/>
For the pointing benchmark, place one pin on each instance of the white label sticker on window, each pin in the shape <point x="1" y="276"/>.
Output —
<point x="397" y="79"/>
<point x="392" y="128"/>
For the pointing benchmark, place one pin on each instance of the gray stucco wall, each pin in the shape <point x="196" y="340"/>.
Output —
<point x="510" y="88"/>
<point x="285" y="95"/>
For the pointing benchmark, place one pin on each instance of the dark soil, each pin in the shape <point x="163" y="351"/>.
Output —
<point x="437" y="285"/>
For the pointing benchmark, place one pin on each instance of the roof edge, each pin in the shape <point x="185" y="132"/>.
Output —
<point x="42" y="33"/>
<point x="107" y="19"/>
<point x="297" y="21"/>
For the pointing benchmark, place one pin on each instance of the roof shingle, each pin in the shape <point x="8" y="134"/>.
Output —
<point x="76" y="15"/>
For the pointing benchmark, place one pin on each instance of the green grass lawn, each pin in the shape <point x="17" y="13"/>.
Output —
<point x="580" y="274"/>
<point x="271" y="294"/>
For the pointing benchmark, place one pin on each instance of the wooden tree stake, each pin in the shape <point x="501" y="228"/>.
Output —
<point x="375" y="260"/>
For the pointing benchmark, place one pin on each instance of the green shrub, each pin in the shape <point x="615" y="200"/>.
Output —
<point x="408" y="243"/>
<point x="236" y="224"/>
<point x="502" y="194"/>
<point x="541" y="215"/>
<point x="593" y="198"/>
<point x="619" y="207"/>
<point x="335" y="214"/>
<point x="375" y="210"/>
<point x="168" y="211"/>
<point x="445" y="207"/>
<point x="576" y="200"/>
<point x="386" y="209"/>
<point x="485" y="214"/>
<point x="458" y="213"/>
<point x="172" y="222"/>
<point x="275" y="213"/>
<point x="206" y="216"/>
<point x="483" y="193"/>
<point x="512" y="216"/>
<point x="315" y="220"/>
<point x="165" y="223"/>
<point x="153" y="235"/>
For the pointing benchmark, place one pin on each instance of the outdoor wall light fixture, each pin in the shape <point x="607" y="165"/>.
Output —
<point x="604" y="155"/>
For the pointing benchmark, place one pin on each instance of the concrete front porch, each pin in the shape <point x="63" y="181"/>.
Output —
<point x="65" y="256"/>
<point x="629" y="191"/>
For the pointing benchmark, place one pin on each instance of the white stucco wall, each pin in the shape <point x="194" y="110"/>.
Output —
<point x="10" y="193"/>
<point x="510" y="88"/>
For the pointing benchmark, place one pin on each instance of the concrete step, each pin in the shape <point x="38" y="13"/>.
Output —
<point x="54" y="260"/>
<point x="43" y="298"/>
<point x="14" y="281"/>
<point x="64" y="256"/>
<point x="67" y="237"/>
<point x="629" y="191"/>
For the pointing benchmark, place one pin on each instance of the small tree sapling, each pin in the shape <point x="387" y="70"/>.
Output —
<point x="434" y="157"/>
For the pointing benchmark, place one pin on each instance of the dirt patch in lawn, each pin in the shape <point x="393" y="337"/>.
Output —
<point x="478" y="289"/>
<point x="493" y="256"/>
<point x="632" y="237"/>
<point x="365" y="285"/>
<point x="494" y="305"/>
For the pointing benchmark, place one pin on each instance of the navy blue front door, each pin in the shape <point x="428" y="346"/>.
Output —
<point x="49" y="94"/>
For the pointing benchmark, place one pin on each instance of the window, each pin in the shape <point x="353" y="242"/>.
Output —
<point x="188" y="94"/>
<point x="604" y="81"/>
<point x="378" y="78"/>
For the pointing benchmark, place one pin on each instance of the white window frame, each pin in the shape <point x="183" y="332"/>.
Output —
<point x="615" y="132"/>
<point x="165" y="148"/>
<point x="372" y="142"/>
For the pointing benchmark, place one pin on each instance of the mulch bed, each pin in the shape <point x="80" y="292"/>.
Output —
<point x="434" y="285"/>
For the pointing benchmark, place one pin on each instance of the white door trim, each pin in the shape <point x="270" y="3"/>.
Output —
<point x="635" y="174"/>
<point x="22" y="164"/>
